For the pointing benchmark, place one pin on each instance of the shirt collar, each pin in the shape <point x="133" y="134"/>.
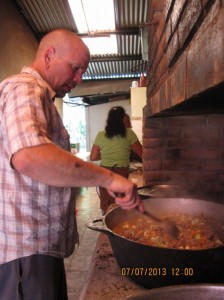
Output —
<point x="34" y="73"/>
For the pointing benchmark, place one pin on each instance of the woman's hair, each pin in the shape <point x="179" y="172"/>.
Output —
<point x="115" y="122"/>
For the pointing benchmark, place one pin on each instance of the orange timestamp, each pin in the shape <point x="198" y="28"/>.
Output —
<point x="154" y="271"/>
<point x="143" y="271"/>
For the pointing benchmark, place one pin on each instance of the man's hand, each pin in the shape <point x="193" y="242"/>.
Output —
<point x="125" y="193"/>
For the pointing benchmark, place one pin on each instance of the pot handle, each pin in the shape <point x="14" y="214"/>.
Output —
<point x="91" y="225"/>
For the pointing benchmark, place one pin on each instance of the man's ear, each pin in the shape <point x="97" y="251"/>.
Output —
<point x="49" y="53"/>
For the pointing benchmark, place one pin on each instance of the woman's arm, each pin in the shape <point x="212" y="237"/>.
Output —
<point x="95" y="153"/>
<point x="137" y="148"/>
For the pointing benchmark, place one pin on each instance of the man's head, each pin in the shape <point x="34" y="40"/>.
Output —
<point x="61" y="59"/>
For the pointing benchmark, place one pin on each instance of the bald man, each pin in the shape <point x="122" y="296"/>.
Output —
<point x="38" y="172"/>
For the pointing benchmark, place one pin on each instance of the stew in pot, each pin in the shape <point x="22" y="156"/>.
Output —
<point x="196" y="232"/>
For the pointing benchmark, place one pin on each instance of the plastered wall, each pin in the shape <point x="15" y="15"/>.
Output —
<point x="18" y="43"/>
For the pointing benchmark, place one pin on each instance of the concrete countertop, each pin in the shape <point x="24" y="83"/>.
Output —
<point x="104" y="279"/>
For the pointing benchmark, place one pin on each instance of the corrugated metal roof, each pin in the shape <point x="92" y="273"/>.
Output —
<point x="44" y="16"/>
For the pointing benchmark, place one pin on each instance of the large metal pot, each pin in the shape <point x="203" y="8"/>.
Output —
<point x="183" y="292"/>
<point x="154" y="266"/>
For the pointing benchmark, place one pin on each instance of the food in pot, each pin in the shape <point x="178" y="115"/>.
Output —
<point x="196" y="232"/>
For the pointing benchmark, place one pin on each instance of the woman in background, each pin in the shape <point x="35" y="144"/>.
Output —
<point x="133" y="155"/>
<point x="113" y="146"/>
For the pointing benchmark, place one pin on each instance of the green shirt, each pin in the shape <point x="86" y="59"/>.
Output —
<point x="115" y="150"/>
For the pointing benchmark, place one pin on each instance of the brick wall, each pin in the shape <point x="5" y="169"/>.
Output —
<point x="186" y="46"/>
<point x="185" y="150"/>
<point x="185" y="72"/>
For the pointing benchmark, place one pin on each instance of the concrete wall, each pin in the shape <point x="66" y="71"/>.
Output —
<point x="18" y="43"/>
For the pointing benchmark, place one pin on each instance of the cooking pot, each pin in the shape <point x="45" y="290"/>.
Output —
<point x="183" y="292"/>
<point x="153" y="266"/>
<point x="161" y="191"/>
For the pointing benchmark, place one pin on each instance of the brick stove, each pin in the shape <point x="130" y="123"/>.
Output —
<point x="183" y="123"/>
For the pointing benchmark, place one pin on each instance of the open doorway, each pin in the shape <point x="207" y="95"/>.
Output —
<point x="74" y="119"/>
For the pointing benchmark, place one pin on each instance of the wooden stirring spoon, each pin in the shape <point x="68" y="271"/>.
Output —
<point x="169" y="226"/>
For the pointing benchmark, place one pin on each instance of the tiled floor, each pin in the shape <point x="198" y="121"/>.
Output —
<point x="77" y="265"/>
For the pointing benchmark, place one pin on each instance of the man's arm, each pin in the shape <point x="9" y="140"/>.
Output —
<point x="53" y="166"/>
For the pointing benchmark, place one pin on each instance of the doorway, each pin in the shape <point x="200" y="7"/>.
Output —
<point x="74" y="119"/>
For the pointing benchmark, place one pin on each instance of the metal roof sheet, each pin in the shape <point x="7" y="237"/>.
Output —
<point x="44" y="16"/>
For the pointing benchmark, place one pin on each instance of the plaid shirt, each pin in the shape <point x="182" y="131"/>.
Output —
<point x="34" y="217"/>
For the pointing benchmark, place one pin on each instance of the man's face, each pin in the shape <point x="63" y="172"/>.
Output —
<point x="67" y="70"/>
